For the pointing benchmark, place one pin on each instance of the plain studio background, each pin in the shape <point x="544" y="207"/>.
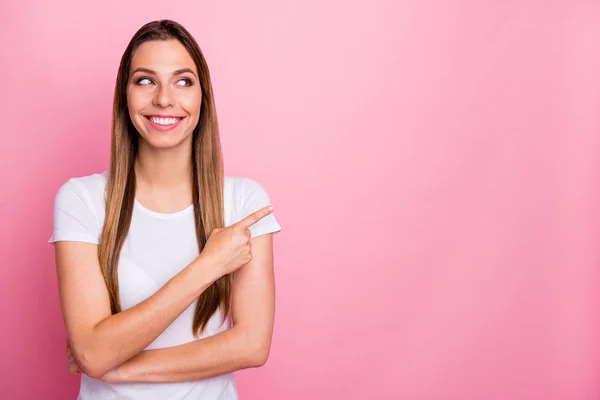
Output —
<point x="435" y="166"/>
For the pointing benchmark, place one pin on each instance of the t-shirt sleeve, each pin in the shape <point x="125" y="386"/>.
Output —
<point x="254" y="197"/>
<point x="74" y="219"/>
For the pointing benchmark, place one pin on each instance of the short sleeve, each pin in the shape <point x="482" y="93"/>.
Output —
<point x="254" y="198"/>
<point x="74" y="219"/>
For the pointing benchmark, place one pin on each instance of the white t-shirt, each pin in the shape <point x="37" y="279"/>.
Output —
<point x="158" y="246"/>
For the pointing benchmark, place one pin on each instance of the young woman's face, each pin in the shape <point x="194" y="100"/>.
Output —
<point x="163" y="93"/>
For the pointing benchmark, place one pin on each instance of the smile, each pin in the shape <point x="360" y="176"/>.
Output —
<point x="163" y="123"/>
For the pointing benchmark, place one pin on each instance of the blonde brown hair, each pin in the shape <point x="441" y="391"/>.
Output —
<point x="207" y="179"/>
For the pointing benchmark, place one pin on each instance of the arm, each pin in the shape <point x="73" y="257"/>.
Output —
<point x="244" y="345"/>
<point x="101" y="341"/>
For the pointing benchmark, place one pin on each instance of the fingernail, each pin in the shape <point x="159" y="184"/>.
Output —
<point x="271" y="208"/>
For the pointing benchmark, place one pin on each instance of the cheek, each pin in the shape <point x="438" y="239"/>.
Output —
<point x="135" y="101"/>
<point x="192" y="104"/>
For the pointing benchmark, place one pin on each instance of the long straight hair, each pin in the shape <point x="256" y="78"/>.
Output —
<point x="207" y="178"/>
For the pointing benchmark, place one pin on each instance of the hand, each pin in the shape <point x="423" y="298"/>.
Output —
<point x="229" y="248"/>
<point x="72" y="364"/>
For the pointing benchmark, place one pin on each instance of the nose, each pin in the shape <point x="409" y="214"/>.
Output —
<point x="164" y="97"/>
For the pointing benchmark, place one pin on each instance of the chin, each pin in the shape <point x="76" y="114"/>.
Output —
<point x="163" y="140"/>
<point x="168" y="140"/>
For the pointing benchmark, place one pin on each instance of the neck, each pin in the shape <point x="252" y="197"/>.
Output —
<point x="163" y="168"/>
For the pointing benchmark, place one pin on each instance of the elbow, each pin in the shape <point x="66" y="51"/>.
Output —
<point x="254" y="347"/>
<point x="260" y="355"/>
<point x="84" y="360"/>
<point x="91" y="366"/>
<point x="94" y="372"/>
<point x="90" y="369"/>
<point x="93" y="360"/>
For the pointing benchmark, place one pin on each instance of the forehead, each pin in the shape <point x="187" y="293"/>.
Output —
<point x="162" y="56"/>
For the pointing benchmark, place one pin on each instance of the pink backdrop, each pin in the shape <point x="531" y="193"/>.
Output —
<point x="435" y="166"/>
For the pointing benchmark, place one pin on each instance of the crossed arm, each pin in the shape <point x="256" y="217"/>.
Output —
<point x="245" y="345"/>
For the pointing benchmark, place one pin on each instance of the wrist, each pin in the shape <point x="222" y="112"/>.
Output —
<point x="205" y="271"/>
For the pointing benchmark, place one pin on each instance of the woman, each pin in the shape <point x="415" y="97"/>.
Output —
<point x="152" y="254"/>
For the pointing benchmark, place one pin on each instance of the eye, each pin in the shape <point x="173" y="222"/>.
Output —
<point x="144" y="81"/>
<point x="188" y="82"/>
<point x="139" y="81"/>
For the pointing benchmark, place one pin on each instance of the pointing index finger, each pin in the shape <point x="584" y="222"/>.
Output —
<point x="254" y="217"/>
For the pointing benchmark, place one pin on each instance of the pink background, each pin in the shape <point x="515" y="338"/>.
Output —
<point x="435" y="166"/>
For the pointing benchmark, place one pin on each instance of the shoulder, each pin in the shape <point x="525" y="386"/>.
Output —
<point x="90" y="183"/>
<point x="88" y="189"/>
<point x="243" y="196"/>
<point x="239" y="182"/>
<point x="240" y="190"/>
<point x="79" y="209"/>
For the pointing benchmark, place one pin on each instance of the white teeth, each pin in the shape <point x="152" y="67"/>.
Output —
<point x="164" y="121"/>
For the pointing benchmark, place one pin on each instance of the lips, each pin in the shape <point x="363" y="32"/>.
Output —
<point x="163" y="122"/>
<point x="163" y="119"/>
<point x="162" y="116"/>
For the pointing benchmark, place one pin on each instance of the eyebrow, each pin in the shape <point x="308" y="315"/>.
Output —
<point x="177" y="72"/>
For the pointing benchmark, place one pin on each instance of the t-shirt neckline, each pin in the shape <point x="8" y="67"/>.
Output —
<point x="156" y="214"/>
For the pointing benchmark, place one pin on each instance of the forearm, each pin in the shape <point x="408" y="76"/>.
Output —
<point x="215" y="355"/>
<point x="121" y="336"/>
